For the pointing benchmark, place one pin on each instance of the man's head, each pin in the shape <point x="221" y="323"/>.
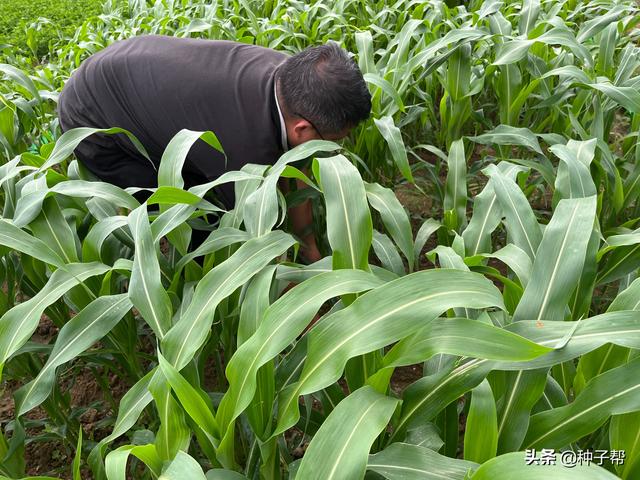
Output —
<point x="322" y="94"/>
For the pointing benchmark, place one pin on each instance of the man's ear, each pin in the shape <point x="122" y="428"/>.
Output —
<point x="300" y="131"/>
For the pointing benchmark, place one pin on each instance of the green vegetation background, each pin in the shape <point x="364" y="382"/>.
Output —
<point x="66" y="15"/>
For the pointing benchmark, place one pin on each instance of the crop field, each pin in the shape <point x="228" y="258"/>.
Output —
<point x="476" y="314"/>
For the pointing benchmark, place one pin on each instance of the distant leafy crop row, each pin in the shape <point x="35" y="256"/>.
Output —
<point x="32" y="25"/>
<point x="518" y="119"/>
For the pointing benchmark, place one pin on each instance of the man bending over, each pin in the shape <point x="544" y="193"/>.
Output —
<point x="258" y="102"/>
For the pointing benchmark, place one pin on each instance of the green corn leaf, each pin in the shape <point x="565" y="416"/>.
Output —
<point x="116" y="461"/>
<point x="339" y="449"/>
<point x="174" y="434"/>
<point x="559" y="261"/>
<point x="52" y="228"/>
<point x="507" y="135"/>
<point x="623" y="435"/>
<point x="283" y="322"/>
<point x="145" y="287"/>
<point x="194" y="402"/>
<point x="70" y="139"/>
<point x="131" y="406"/>
<point x="455" y="198"/>
<point x="170" y="219"/>
<point x="459" y="73"/>
<point x="514" y="465"/>
<point x="394" y="217"/>
<point x="461" y="336"/>
<point x="517" y="260"/>
<point x="181" y="467"/>
<point x="522" y="392"/>
<point x="428" y="396"/>
<point x="364" y="44"/>
<point x="188" y="334"/>
<point x="486" y="215"/>
<point x="175" y="154"/>
<point x="393" y="137"/>
<point x="528" y="16"/>
<point x="573" y="178"/>
<point x="93" y="242"/>
<point x="379" y="318"/>
<point x="611" y="393"/>
<point x="387" y="253"/>
<point x="388" y="89"/>
<point x="260" y="210"/>
<point x="594" y="26"/>
<point x="481" y="433"/>
<point x="585" y="336"/>
<point x="349" y="225"/>
<point x="428" y="228"/>
<point x="521" y="222"/>
<point x="255" y="303"/>
<point x="627" y="97"/>
<point x="402" y="461"/>
<point x="79" y="334"/>
<point x="19" y="323"/>
<point x="18" y="76"/>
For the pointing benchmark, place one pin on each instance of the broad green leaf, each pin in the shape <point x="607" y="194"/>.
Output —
<point x="364" y="44"/>
<point x="52" y="228"/>
<point x="379" y="318"/>
<point x="191" y="330"/>
<point x="520" y="220"/>
<point x="507" y="135"/>
<point x="260" y="210"/>
<point x="70" y="139"/>
<point x="611" y="393"/>
<point x="428" y="396"/>
<point x="428" y="228"/>
<point x="393" y="137"/>
<point x="517" y="260"/>
<point x="401" y="461"/>
<point x="349" y="225"/>
<point x="514" y="465"/>
<point x="254" y="304"/>
<point x="528" y="16"/>
<point x="522" y="392"/>
<point x="145" y="287"/>
<point x="339" y="449"/>
<point x="175" y="154"/>
<point x="624" y="434"/>
<point x="599" y="23"/>
<point x="486" y="215"/>
<point x="573" y="178"/>
<point x="627" y="97"/>
<point x="79" y="334"/>
<point x="283" y="321"/>
<point x="461" y="336"/>
<point x="455" y="198"/>
<point x="194" y="403"/>
<point x="387" y="253"/>
<point x="394" y="217"/>
<point x="459" y="73"/>
<point x="181" y="467"/>
<point x="19" y="323"/>
<point x="559" y="261"/>
<point x="387" y="88"/>
<point x="481" y="432"/>
<point x="116" y="461"/>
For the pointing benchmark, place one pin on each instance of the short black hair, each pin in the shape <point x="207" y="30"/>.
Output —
<point x="324" y="85"/>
